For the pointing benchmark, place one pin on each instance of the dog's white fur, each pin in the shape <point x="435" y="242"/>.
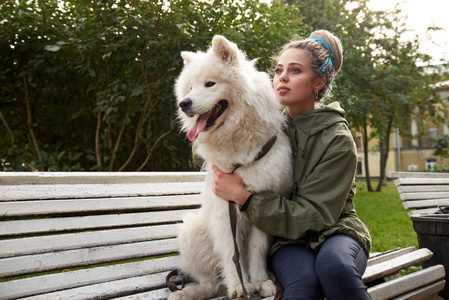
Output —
<point x="250" y="120"/>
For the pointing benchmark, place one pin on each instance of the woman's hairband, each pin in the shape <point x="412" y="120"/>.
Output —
<point x="327" y="65"/>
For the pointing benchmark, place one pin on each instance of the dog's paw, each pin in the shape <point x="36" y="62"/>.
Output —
<point x="238" y="290"/>
<point x="180" y="295"/>
<point x="266" y="288"/>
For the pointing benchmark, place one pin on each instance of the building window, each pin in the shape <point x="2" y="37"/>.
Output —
<point x="430" y="163"/>
<point x="412" y="168"/>
<point x="359" y="168"/>
<point x="433" y="133"/>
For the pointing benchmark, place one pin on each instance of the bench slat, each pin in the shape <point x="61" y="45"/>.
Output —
<point x="60" y="242"/>
<point x="66" y="280"/>
<point x="160" y="294"/>
<point x="33" y="226"/>
<point x="376" y="254"/>
<point x="422" y="188"/>
<point x="396" y="264"/>
<point x="383" y="257"/>
<point x="108" y="290"/>
<point x="46" y="207"/>
<point x="425" y="203"/>
<point x="422" y="180"/>
<point x="23" y="178"/>
<point x="14" y="266"/>
<point x="424" y="292"/>
<point x="420" y="196"/>
<point x="428" y="211"/>
<point x="417" y="175"/>
<point x="68" y="191"/>
<point x="403" y="284"/>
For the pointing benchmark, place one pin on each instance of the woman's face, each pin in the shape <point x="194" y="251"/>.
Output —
<point x="294" y="82"/>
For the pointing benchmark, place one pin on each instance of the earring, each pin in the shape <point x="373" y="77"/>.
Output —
<point x="317" y="97"/>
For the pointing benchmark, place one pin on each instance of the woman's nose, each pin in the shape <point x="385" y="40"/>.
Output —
<point x="283" y="77"/>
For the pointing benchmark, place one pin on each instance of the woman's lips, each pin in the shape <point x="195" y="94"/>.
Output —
<point x="283" y="90"/>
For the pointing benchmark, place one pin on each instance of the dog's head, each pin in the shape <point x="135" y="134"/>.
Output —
<point x="207" y="86"/>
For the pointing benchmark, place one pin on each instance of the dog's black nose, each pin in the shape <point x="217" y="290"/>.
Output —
<point x="185" y="104"/>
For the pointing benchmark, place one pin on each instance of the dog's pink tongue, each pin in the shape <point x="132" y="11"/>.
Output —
<point x="199" y="126"/>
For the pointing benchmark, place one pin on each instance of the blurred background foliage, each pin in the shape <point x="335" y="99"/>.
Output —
<point x="88" y="84"/>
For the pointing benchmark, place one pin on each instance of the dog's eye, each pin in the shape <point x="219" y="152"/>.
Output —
<point x="209" y="84"/>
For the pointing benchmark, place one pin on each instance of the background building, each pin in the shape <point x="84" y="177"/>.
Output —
<point x="407" y="154"/>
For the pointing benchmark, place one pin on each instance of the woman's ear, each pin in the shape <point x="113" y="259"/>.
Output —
<point x="320" y="83"/>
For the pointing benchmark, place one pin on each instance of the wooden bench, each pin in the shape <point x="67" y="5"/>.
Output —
<point x="426" y="196"/>
<point x="422" y="192"/>
<point x="113" y="236"/>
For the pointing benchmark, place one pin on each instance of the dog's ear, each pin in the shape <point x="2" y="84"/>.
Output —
<point x="224" y="49"/>
<point x="186" y="56"/>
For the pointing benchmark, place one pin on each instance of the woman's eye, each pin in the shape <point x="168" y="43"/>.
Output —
<point x="296" y="70"/>
<point x="209" y="84"/>
<point x="278" y="71"/>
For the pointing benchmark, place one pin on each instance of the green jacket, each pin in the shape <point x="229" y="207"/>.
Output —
<point x="320" y="203"/>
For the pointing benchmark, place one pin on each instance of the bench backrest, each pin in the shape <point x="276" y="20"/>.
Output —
<point x="61" y="222"/>
<point x="424" y="192"/>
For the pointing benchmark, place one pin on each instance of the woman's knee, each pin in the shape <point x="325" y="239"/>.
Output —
<point x="294" y="268"/>
<point x="334" y="268"/>
<point x="339" y="266"/>
<point x="341" y="254"/>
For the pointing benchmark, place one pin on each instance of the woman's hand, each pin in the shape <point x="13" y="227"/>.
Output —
<point x="229" y="187"/>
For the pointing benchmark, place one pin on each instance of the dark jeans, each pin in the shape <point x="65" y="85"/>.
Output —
<point x="335" y="273"/>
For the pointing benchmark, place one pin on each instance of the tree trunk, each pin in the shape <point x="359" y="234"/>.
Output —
<point x="30" y="120"/>
<point x="118" y="140"/>
<point x="366" y="153"/>
<point x="150" y="151"/>
<point x="97" y="140"/>
<point x="384" y="151"/>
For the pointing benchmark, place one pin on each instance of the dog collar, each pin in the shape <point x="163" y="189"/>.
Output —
<point x="265" y="149"/>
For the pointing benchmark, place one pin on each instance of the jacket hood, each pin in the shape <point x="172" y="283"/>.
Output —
<point x="314" y="121"/>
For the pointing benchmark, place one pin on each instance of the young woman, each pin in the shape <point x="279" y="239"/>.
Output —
<point x="321" y="246"/>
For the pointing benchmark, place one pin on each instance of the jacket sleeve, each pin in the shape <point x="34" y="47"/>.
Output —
<point x="319" y="200"/>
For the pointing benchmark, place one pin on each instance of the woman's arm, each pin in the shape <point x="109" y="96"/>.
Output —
<point x="319" y="201"/>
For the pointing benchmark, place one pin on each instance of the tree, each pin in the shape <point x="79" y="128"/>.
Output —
<point x="88" y="84"/>
<point x="442" y="147"/>
<point x="403" y="90"/>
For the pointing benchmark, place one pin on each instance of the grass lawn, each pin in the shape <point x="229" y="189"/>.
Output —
<point x="386" y="218"/>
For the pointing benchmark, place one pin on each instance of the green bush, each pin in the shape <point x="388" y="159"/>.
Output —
<point x="88" y="85"/>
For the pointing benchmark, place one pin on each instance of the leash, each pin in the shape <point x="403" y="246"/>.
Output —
<point x="236" y="257"/>
<point x="233" y="217"/>
<point x="171" y="285"/>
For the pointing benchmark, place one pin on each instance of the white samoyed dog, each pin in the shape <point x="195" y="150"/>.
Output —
<point x="229" y="110"/>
